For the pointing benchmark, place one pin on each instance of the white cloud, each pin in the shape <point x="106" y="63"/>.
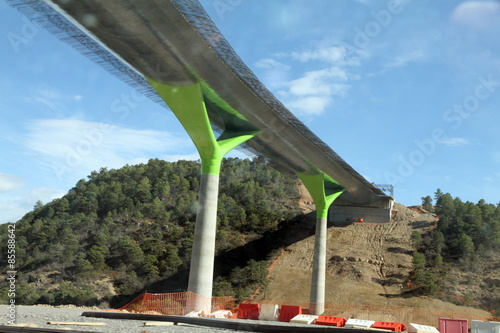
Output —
<point x="403" y="59"/>
<point x="274" y="73"/>
<point x="312" y="105"/>
<point x="268" y="63"/>
<point x="318" y="82"/>
<point x="10" y="183"/>
<point x="53" y="99"/>
<point x="314" y="91"/>
<point x="16" y="204"/>
<point x="477" y="14"/>
<point x="454" y="142"/>
<point x="338" y="55"/>
<point x="75" y="147"/>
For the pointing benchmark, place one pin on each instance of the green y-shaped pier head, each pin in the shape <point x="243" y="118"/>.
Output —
<point x="324" y="190"/>
<point x="188" y="104"/>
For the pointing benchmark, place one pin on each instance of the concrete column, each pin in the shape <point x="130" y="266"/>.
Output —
<point x="318" y="285"/>
<point x="202" y="258"/>
<point x="324" y="190"/>
<point x="188" y="105"/>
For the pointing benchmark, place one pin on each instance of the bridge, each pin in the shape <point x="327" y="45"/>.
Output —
<point x="171" y="51"/>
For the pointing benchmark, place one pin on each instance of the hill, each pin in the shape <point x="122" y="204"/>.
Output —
<point x="124" y="231"/>
<point x="374" y="265"/>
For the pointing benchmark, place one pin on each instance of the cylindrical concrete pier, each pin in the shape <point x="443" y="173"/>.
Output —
<point x="318" y="285"/>
<point x="202" y="258"/>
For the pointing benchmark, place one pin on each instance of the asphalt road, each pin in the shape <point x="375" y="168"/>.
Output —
<point x="42" y="315"/>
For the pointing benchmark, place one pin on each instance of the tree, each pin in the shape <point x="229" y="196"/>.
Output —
<point x="438" y="241"/>
<point x="427" y="203"/>
<point x="419" y="261"/>
<point x="69" y="293"/>
<point x="425" y="280"/>
<point x="438" y="194"/>
<point x="149" y="266"/>
<point x="143" y="190"/>
<point x="97" y="257"/>
<point x="139" y="220"/>
<point x="463" y="246"/>
<point x="171" y="261"/>
<point x="83" y="266"/>
<point x="473" y="220"/>
<point x="128" y="251"/>
<point x="445" y="205"/>
<point x="416" y="239"/>
<point x="38" y="205"/>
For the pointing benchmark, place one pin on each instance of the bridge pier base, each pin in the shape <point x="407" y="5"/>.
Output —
<point x="324" y="190"/>
<point x="188" y="105"/>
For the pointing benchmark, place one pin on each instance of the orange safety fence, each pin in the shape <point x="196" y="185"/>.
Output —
<point x="179" y="304"/>
<point x="174" y="304"/>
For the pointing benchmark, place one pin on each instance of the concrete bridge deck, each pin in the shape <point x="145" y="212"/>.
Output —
<point x="171" y="51"/>
<point x="175" y="42"/>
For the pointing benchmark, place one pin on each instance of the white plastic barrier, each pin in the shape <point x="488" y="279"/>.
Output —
<point x="221" y="314"/>
<point x="416" y="328"/>
<point x="484" y="327"/>
<point x="359" y="323"/>
<point x="268" y="312"/>
<point x="304" y="319"/>
<point x="195" y="314"/>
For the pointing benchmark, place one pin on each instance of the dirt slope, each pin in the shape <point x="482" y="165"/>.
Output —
<point x="367" y="265"/>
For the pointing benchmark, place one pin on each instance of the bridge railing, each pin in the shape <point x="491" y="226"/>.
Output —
<point x="386" y="188"/>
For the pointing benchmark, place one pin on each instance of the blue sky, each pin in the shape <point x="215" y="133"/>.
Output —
<point x="407" y="92"/>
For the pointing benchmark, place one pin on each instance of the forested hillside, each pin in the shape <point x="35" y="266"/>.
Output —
<point x="124" y="230"/>
<point x="460" y="258"/>
<point x="120" y="232"/>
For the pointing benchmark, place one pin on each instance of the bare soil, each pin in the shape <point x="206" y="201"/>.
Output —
<point x="368" y="264"/>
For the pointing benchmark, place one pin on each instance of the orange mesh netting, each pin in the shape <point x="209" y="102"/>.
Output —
<point x="178" y="304"/>
<point x="173" y="304"/>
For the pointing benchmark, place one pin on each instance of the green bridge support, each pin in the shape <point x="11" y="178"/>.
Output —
<point x="324" y="190"/>
<point x="189" y="105"/>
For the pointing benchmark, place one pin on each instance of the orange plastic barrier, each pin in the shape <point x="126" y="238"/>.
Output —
<point x="248" y="311"/>
<point x="331" y="321"/>
<point x="395" y="327"/>
<point x="287" y="312"/>
<point x="381" y="313"/>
